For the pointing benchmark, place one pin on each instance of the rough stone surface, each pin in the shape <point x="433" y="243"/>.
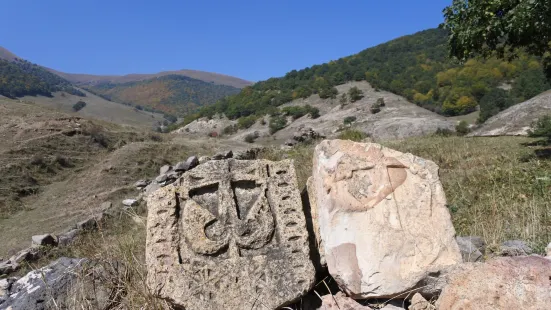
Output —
<point x="223" y="155"/>
<point x="340" y="302"/>
<point x="391" y="307"/>
<point x="380" y="216"/>
<point x="46" y="239"/>
<point x="203" y="159"/>
<point x="130" y="202"/>
<point x="141" y="184"/>
<point x="514" y="248"/>
<point x="164" y="169"/>
<point x="105" y="205"/>
<point x="40" y="288"/>
<point x="229" y="234"/>
<point x="68" y="237"/>
<point x="162" y="178"/>
<point x="190" y="163"/>
<point x="469" y="250"/>
<point x="420" y="303"/>
<point x="500" y="283"/>
<point x="151" y="188"/>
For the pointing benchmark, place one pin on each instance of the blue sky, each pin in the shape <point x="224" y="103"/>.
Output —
<point x="249" y="39"/>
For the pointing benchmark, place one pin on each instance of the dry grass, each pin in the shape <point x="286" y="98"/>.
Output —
<point x="496" y="188"/>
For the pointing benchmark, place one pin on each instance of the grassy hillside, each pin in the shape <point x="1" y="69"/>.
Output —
<point x="171" y="94"/>
<point x="415" y="66"/>
<point x="21" y="78"/>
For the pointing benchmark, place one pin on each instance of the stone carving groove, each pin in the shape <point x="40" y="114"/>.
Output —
<point x="229" y="234"/>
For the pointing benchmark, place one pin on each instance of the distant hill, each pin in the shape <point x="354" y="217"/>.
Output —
<point x="415" y="66"/>
<point x="216" y="78"/>
<point x="21" y="78"/>
<point x="170" y="94"/>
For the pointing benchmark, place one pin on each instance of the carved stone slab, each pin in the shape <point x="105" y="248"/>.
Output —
<point x="229" y="234"/>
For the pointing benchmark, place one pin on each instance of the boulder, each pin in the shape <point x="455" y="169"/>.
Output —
<point x="380" y="217"/>
<point x="105" y="206"/>
<point x="340" y="302"/>
<point x="7" y="267"/>
<point x="203" y="159"/>
<point x="87" y="225"/>
<point x="469" y="249"/>
<point x="130" y="202"/>
<point x="418" y="302"/>
<point x="161" y="179"/>
<point x="500" y="283"/>
<point x="514" y="248"/>
<point x="223" y="155"/>
<point x="141" y="184"/>
<point x="231" y="234"/>
<point x="164" y="169"/>
<point x="44" y="240"/>
<point x="190" y="163"/>
<point x="40" y="289"/>
<point x="67" y="238"/>
<point x="151" y="188"/>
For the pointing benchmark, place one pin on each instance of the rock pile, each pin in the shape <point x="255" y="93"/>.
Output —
<point x="303" y="135"/>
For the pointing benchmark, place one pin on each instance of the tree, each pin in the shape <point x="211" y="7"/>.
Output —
<point x="542" y="128"/>
<point x="499" y="27"/>
<point x="492" y="103"/>
<point x="355" y="94"/>
<point x="79" y="105"/>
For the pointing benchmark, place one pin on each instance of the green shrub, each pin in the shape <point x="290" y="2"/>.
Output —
<point x="443" y="132"/>
<point x="352" y="134"/>
<point x="462" y="128"/>
<point x="299" y="111"/>
<point x="230" y="129"/>
<point x="277" y="123"/>
<point x="542" y="128"/>
<point x="246" y="122"/>
<point x="250" y="138"/>
<point x="79" y="106"/>
<point x="349" y="120"/>
<point x="355" y="94"/>
<point x="343" y="100"/>
<point x="381" y="102"/>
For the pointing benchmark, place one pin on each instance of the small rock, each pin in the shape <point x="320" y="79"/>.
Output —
<point x="180" y="167"/>
<point x="8" y="267"/>
<point x="141" y="184"/>
<point x="161" y="179"/>
<point x="4" y="287"/>
<point x="46" y="239"/>
<point x="340" y="301"/>
<point x="105" y="205"/>
<point x="164" y="169"/>
<point x="469" y="251"/>
<point x="514" y="248"/>
<point x="420" y="303"/>
<point x="87" y="225"/>
<point x="203" y="159"/>
<point x="67" y="238"/>
<point x="130" y="202"/>
<point x="25" y="255"/>
<point x="173" y="175"/>
<point x="391" y="307"/>
<point x="548" y="249"/>
<point x="223" y="155"/>
<point x="151" y="188"/>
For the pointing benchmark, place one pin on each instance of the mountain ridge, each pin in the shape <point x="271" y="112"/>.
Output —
<point x="82" y="79"/>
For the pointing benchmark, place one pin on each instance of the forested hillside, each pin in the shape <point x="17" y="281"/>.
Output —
<point x="21" y="78"/>
<point x="416" y="67"/>
<point x="171" y="94"/>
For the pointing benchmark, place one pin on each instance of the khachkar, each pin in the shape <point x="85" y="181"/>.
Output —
<point x="229" y="234"/>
